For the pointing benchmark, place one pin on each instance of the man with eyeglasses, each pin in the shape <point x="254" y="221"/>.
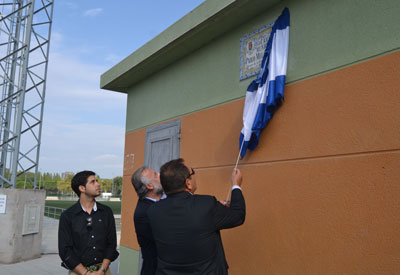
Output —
<point x="87" y="238"/>
<point x="147" y="185"/>
<point x="186" y="227"/>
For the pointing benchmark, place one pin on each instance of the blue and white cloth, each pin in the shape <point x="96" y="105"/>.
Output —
<point x="265" y="93"/>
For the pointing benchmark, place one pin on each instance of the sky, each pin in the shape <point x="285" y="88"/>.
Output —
<point x="83" y="125"/>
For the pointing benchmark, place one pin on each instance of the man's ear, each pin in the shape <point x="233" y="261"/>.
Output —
<point x="188" y="185"/>
<point x="149" y="186"/>
<point x="81" y="188"/>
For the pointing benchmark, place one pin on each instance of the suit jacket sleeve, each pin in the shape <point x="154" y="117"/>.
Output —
<point x="228" y="217"/>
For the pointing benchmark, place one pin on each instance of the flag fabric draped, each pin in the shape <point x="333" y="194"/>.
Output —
<point x="265" y="93"/>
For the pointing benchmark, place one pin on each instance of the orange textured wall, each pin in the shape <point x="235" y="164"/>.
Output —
<point x="133" y="159"/>
<point x="321" y="189"/>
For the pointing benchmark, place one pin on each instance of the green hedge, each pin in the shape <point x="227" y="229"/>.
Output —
<point x="114" y="205"/>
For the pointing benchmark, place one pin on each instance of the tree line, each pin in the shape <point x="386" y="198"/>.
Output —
<point x="60" y="184"/>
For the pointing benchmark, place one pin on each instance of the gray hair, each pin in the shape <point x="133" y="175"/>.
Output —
<point x="139" y="182"/>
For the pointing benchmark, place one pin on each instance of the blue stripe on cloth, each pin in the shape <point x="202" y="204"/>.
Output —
<point x="283" y="20"/>
<point x="253" y="86"/>
<point x="275" y="93"/>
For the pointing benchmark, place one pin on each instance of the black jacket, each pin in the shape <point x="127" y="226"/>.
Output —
<point x="186" y="231"/>
<point x="145" y="237"/>
<point x="81" y="242"/>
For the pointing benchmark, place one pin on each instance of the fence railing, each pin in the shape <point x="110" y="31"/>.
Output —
<point x="53" y="212"/>
<point x="75" y="198"/>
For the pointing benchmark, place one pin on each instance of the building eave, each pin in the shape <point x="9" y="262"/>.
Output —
<point x="206" y="22"/>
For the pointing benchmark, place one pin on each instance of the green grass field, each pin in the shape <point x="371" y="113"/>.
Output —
<point x="114" y="205"/>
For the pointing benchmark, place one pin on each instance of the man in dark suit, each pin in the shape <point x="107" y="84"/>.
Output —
<point x="147" y="185"/>
<point x="186" y="227"/>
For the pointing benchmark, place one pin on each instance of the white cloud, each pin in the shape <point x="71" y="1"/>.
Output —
<point x="56" y="39"/>
<point x="107" y="157"/>
<point x="112" y="58"/>
<point x="83" y="126"/>
<point x="70" y="5"/>
<point x="93" y="12"/>
<point x="68" y="145"/>
<point x="73" y="82"/>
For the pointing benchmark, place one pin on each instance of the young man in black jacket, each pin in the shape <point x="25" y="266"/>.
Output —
<point x="87" y="239"/>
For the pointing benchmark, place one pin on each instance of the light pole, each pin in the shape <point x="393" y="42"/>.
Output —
<point x="40" y="179"/>
<point x="112" y="187"/>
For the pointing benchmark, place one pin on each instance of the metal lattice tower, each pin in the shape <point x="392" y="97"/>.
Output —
<point x="25" y="28"/>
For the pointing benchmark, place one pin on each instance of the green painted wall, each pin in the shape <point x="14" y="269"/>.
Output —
<point x="325" y="35"/>
<point x="128" y="261"/>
